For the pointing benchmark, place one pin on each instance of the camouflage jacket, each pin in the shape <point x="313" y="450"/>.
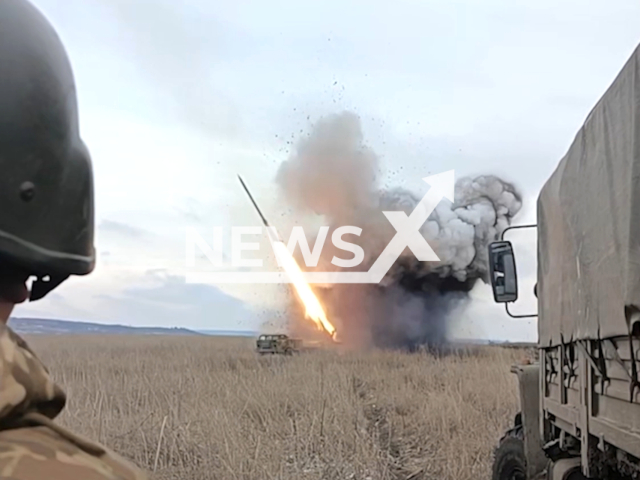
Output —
<point x="32" y="445"/>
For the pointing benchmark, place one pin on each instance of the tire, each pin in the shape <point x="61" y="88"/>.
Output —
<point x="509" y="461"/>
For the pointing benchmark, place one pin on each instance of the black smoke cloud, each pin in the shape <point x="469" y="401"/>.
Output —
<point x="334" y="175"/>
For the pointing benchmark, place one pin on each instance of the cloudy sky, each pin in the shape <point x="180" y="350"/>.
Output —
<point x="176" y="98"/>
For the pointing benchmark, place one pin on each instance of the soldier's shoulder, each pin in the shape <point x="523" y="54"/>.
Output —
<point x="35" y="453"/>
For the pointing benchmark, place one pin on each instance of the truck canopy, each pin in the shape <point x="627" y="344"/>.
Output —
<point x="589" y="223"/>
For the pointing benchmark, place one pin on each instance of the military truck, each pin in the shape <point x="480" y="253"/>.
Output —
<point x="277" y="344"/>
<point x="580" y="403"/>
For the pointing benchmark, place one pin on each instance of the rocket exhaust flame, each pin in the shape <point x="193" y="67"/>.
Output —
<point x="313" y="308"/>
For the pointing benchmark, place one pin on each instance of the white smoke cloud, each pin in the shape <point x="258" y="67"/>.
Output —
<point x="333" y="174"/>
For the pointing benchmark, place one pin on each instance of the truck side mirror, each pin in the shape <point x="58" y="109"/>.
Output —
<point x="502" y="269"/>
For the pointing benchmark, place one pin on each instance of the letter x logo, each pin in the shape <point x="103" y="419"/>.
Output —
<point x="408" y="227"/>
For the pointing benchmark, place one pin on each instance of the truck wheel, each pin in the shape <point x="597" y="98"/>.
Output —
<point x="509" y="462"/>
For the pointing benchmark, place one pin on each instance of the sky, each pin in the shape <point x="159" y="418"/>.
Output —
<point x="176" y="98"/>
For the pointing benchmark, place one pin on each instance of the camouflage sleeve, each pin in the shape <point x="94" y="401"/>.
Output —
<point x="32" y="445"/>
<point x="37" y="453"/>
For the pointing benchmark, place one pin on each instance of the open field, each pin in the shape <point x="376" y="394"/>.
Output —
<point x="228" y="414"/>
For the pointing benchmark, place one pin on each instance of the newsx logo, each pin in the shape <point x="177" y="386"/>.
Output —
<point x="297" y="237"/>
<point x="407" y="236"/>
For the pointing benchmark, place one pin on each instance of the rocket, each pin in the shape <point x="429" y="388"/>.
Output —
<point x="273" y="235"/>
<point x="264" y="220"/>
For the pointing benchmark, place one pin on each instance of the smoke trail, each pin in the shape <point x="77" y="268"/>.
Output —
<point x="334" y="174"/>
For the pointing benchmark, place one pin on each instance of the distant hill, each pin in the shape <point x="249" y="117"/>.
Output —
<point x="42" y="326"/>
<point x="32" y="326"/>
<point x="229" y="333"/>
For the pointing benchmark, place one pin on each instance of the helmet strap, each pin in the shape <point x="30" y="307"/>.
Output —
<point x="40" y="287"/>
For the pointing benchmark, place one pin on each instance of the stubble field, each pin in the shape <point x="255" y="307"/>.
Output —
<point x="209" y="408"/>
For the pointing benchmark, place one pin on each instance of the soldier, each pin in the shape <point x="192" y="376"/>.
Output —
<point x="46" y="233"/>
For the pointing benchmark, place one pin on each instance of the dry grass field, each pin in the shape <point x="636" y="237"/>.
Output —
<point x="209" y="408"/>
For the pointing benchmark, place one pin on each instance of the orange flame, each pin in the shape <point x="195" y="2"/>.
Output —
<point x="314" y="310"/>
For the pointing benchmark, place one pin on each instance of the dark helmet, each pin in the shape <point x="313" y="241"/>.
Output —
<point x="46" y="178"/>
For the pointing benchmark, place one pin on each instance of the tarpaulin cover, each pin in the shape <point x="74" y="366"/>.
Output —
<point x="589" y="222"/>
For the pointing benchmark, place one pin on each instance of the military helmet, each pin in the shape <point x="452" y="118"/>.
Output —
<point x="46" y="177"/>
